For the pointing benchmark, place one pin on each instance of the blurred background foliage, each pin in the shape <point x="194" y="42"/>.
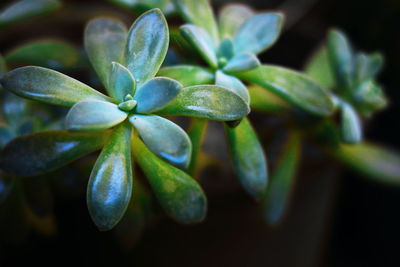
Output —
<point x="349" y="221"/>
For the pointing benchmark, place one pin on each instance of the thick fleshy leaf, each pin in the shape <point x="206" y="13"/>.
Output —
<point x="105" y="40"/>
<point x="179" y="194"/>
<point x="188" y="75"/>
<point x="350" y="125"/>
<point x="110" y="183"/>
<point x="196" y="131"/>
<point x="369" y="97"/>
<point x="375" y="162"/>
<point x="199" y="13"/>
<point x="155" y="94"/>
<point x="248" y="158"/>
<point x="266" y="101"/>
<point x="42" y="152"/>
<point x="202" y="42"/>
<point x="319" y="68"/>
<point x="242" y="62"/>
<point x="94" y="115"/>
<point x="258" y="33"/>
<point x="282" y="181"/>
<point x="341" y="59"/>
<point x="121" y="82"/>
<point x="225" y="51"/>
<point x="367" y="66"/>
<point x="48" y="86"/>
<point x="52" y="54"/>
<point x="294" y="87"/>
<point x="25" y="9"/>
<point x="147" y="45"/>
<point x="231" y="17"/>
<point x="207" y="101"/>
<point x="164" y="138"/>
<point x="232" y="83"/>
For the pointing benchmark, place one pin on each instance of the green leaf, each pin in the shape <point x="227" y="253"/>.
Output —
<point x="164" y="138"/>
<point x="147" y="45"/>
<point x="155" y="94"/>
<point x="110" y="184"/>
<point x="282" y="181"/>
<point x="94" y="115"/>
<point x="105" y="40"/>
<point x="375" y="162"/>
<point x="179" y="195"/>
<point x="199" y="13"/>
<point x="52" y="54"/>
<point x="350" y="125"/>
<point x="342" y="59"/>
<point x="121" y="82"/>
<point x="231" y="17"/>
<point x="248" y="158"/>
<point x="258" y="33"/>
<point x="266" y="101"/>
<point x="369" y="97"/>
<point x="367" y="67"/>
<point x="232" y="83"/>
<point x="319" y="68"/>
<point x="25" y="9"/>
<point x="188" y="75"/>
<point x="43" y="152"/>
<point x="196" y="131"/>
<point x="292" y="86"/>
<point x="202" y="42"/>
<point x="242" y="62"/>
<point x="225" y="51"/>
<point x="209" y="102"/>
<point x="48" y="86"/>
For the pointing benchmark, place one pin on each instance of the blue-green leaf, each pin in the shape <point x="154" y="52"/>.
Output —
<point x="121" y="82"/>
<point x="105" y="40"/>
<point x="319" y="68"/>
<point x="258" y="33"/>
<point x="93" y="115"/>
<point x="147" y="45"/>
<point x="225" y="52"/>
<point x="164" y="138"/>
<point x="199" y="13"/>
<point x="369" y="97"/>
<point x="282" y="181"/>
<point x="368" y="66"/>
<point x="209" y="102"/>
<point x="294" y="87"/>
<point x="231" y="17"/>
<point x="25" y="9"/>
<point x="52" y="54"/>
<point x="342" y="59"/>
<point x="232" y="83"/>
<point x="248" y="158"/>
<point x="48" y="86"/>
<point x="378" y="163"/>
<point x="42" y="152"/>
<point x="350" y="125"/>
<point x="242" y="62"/>
<point x="110" y="184"/>
<point x="201" y="41"/>
<point x="179" y="194"/>
<point x="188" y="75"/>
<point x="155" y="94"/>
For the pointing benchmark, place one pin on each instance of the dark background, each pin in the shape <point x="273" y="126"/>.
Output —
<point x="352" y="222"/>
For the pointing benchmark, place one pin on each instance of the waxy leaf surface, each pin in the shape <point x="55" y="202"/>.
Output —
<point x="188" y="75"/>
